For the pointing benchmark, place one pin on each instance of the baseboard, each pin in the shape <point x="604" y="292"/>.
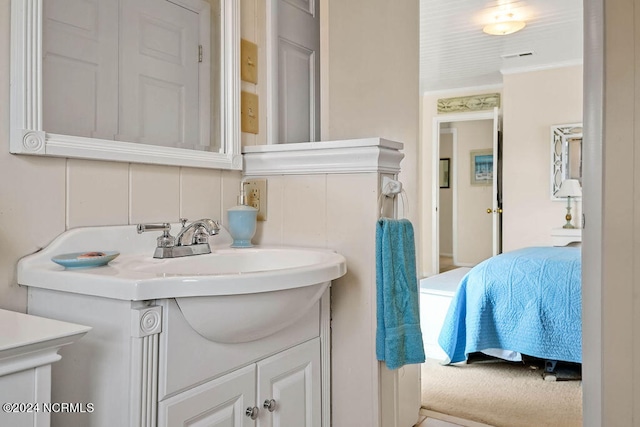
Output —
<point x="444" y="254"/>
<point x="464" y="264"/>
<point x="448" y="418"/>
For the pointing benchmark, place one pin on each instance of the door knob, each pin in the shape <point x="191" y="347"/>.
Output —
<point x="252" y="412"/>
<point x="499" y="210"/>
<point x="489" y="211"/>
<point x="269" y="405"/>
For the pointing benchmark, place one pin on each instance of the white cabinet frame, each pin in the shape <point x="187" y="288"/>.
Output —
<point x="27" y="135"/>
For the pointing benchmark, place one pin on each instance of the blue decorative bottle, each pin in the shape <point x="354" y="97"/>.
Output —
<point x="242" y="223"/>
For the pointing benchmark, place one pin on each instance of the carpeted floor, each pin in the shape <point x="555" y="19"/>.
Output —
<point x="501" y="394"/>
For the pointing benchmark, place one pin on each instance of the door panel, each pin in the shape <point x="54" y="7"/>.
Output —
<point x="159" y="83"/>
<point x="497" y="182"/>
<point x="80" y="71"/>
<point x="294" y="84"/>
<point x="298" y="70"/>
<point x="292" y="380"/>
<point x="218" y="403"/>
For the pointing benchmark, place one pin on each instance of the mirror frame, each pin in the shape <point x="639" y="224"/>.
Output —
<point x="27" y="135"/>
<point x="560" y="134"/>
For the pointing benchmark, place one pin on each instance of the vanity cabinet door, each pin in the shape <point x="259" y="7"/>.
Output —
<point x="222" y="402"/>
<point x="289" y="387"/>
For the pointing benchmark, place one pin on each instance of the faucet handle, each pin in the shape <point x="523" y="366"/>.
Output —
<point x="184" y="222"/>
<point x="164" y="241"/>
<point x="165" y="226"/>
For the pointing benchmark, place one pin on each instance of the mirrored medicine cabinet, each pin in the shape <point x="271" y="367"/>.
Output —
<point x="150" y="81"/>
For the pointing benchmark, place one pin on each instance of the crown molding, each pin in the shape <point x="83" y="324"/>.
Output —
<point x="543" y="67"/>
<point x="307" y="158"/>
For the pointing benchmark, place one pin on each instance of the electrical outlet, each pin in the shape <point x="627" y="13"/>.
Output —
<point x="256" y="192"/>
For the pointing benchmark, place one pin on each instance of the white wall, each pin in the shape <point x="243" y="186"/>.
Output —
<point x="369" y="60"/>
<point x="611" y="252"/>
<point x="532" y="103"/>
<point x="370" y="65"/>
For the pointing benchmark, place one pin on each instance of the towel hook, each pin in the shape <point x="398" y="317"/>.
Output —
<point x="391" y="187"/>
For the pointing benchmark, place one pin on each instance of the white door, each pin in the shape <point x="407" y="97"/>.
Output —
<point x="159" y="56"/>
<point x="488" y="197"/>
<point x="222" y="402"/>
<point x="80" y="71"/>
<point x="297" y="106"/>
<point x="289" y="387"/>
<point x="496" y="206"/>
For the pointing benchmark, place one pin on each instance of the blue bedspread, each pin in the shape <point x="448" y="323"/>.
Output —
<point x="528" y="300"/>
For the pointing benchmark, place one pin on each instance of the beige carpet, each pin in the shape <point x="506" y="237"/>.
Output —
<point x="501" y="394"/>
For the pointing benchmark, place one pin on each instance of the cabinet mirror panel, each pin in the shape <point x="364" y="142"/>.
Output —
<point x="566" y="155"/>
<point x="150" y="81"/>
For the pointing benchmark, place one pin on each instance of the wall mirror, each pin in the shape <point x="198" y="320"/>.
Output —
<point x="150" y="81"/>
<point x="566" y="155"/>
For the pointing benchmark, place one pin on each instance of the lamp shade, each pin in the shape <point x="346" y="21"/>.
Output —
<point x="570" y="188"/>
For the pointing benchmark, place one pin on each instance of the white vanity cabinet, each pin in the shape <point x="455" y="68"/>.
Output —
<point x="191" y="340"/>
<point x="143" y="365"/>
<point x="279" y="391"/>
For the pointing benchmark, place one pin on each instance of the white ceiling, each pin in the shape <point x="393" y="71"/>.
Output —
<point x="455" y="53"/>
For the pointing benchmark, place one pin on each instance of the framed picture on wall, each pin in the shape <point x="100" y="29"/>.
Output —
<point x="444" y="172"/>
<point x="482" y="167"/>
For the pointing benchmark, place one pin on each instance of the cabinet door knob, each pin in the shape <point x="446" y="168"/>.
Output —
<point x="489" y="211"/>
<point x="252" y="412"/>
<point x="270" y="405"/>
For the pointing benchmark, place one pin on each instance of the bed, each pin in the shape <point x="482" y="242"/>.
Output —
<point x="527" y="301"/>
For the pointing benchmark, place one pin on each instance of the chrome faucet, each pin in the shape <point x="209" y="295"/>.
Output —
<point x="174" y="247"/>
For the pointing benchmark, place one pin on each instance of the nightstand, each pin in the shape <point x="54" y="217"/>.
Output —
<point x="564" y="236"/>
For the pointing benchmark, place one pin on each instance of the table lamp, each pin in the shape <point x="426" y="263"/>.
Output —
<point x="569" y="188"/>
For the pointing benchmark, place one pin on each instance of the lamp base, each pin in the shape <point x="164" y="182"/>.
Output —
<point x="568" y="217"/>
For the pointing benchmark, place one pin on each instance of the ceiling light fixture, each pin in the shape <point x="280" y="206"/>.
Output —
<point x="505" y="24"/>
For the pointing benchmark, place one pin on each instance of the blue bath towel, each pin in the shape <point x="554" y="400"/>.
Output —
<point x="398" y="335"/>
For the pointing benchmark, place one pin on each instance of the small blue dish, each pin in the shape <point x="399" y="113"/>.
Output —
<point x="82" y="260"/>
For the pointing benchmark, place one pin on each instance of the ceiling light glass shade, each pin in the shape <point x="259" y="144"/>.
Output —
<point x="503" y="28"/>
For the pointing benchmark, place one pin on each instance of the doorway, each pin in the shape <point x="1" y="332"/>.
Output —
<point x="466" y="224"/>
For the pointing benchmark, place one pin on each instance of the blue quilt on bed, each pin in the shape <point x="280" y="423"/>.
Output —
<point x="528" y="300"/>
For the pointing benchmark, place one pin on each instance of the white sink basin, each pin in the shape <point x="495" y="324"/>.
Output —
<point x="230" y="262"/>
<point x="230" y="295"/>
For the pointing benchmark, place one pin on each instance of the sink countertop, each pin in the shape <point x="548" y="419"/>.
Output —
<point x="135" y="275"/>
